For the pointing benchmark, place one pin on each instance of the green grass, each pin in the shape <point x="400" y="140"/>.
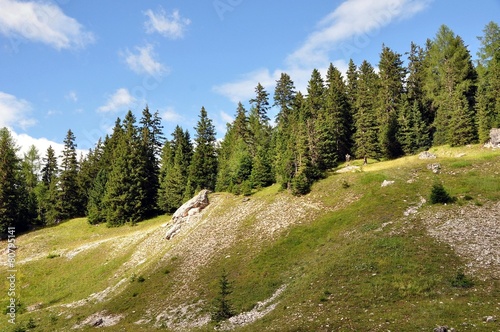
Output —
<point x="359" y="267"/>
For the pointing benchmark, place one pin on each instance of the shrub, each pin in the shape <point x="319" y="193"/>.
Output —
<point x="461" y="281"/>
<point x="440" y="195"/>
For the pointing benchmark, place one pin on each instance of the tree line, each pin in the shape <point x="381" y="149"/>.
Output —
<point x="432" y="95"/>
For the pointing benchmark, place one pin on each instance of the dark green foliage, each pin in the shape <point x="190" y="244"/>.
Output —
<point x="450" y="82"/>
<point x="176" y="158"/>
<point x="151" y="139"/>
<point x="462" y="281"/>
<point x="70" y="195"/>
<point x="366" y="138"/>
<point x="203" y="169"/>
<point x="95" y="208"/>
<point x="487" y="97"/>
<point x="124" y="197"/>
<point x="222" y="306"/>
<point x="285" y="131"/>
<point x="439" y="195"/>
<point x="14" y="197"/>
<point x="47" y="190"/>
<point x="390" y="90"/>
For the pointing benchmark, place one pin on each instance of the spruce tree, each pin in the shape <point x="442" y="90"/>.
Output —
<point x="338" y="116"/>
<point x="48" y="191"/>
<point x="95" y="208"/>
<point x="367" y="129"/>
<point x="174" y="179"/>
<point x="487" y="97"/>
<point x="284" y="97"/>
<point x="124" y="197"/>
<point x="313" y="115"/>
<point x="392" y="74"/>
<point x="13" y="193"/>
<point x="203" y="168"/>
<point x="260" y="138"/>
<point x="151" y="137"/>
<point x="449" y="71"/>
<point x="69" y="191"/>
<point x="31" y="166"/>
<point x="167" y="161"/>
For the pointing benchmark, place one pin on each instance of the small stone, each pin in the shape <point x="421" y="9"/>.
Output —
<point x="387" y="183"/>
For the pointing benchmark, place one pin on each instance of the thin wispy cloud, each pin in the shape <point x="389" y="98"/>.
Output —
<point x="118" y="101"/>
<point x="144" y="61"/>
<point x="172" y="26"/>
<point x="42" y="22"/>
<point x="352" y="18"/>
<point x="170" y="115"/>
<point x="336" y="31"/>
<point x="15" y="112"/>
<point x="72" y="96"/>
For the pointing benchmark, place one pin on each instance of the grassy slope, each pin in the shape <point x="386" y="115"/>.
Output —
<point x="362" y="268"/>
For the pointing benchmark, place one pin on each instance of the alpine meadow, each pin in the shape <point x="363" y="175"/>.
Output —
<point x="370" y="202"/>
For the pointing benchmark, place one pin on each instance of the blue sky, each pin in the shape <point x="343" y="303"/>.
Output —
<point x="80" y="64"/>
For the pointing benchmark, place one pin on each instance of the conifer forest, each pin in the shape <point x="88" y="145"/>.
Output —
<point x="433" y="94"/>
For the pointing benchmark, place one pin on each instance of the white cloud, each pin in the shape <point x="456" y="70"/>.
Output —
<point x="170" y="115"/>
<point x="226" y="117"/>
<point x="337" y="31"/>
<point x="72" y="96"/>
<point x="144" y="61"/>
<point x="244" y="88"/>
<point x="42" y="22"/>
<point x="352" y="18"/>
<point x="15" y="112"/>
<point x="171" y="26"/>
<point x="117" y="101"/>
<point x="24" y="142"/>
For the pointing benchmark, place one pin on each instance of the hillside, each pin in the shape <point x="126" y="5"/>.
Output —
<point x="350" y="256"/>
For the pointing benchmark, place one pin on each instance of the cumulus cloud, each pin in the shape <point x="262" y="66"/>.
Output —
<point x="15" y="112"/>
<point x="143" y="62"/>
<point x="117" y="101"/>
<point x="172" y="26"/>
<point x="42" y="22"/>
<point x="25" y="141"/>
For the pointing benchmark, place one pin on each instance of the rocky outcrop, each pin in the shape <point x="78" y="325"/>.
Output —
<point x="494" y="138"/>
<point x="426" y="155"/>
<point x="190" y="209"/>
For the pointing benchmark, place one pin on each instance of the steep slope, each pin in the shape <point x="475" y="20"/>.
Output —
<point x="351" y="255"/>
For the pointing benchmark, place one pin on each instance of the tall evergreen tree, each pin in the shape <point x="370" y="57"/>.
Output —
<point x="260" y="132"/>
<point x="13" y="194"/>
<point x="392" y="74"/>
<point x="450" y="76"/>
<point x="124" y="197"/>
<point x="31" y="167"/>
<point x="488" y="96"/>
<point x="203" y="168"/>
<point x="367" y="129"/>
<point x="286" y="119"/>
<point x="48" y="192"/>
<point x="338" y="116"/>
<point x="174" y="182"/>
<point x="69" y="191"/>
<point x="151" y="137"/>
<point x="313" y="114"/>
